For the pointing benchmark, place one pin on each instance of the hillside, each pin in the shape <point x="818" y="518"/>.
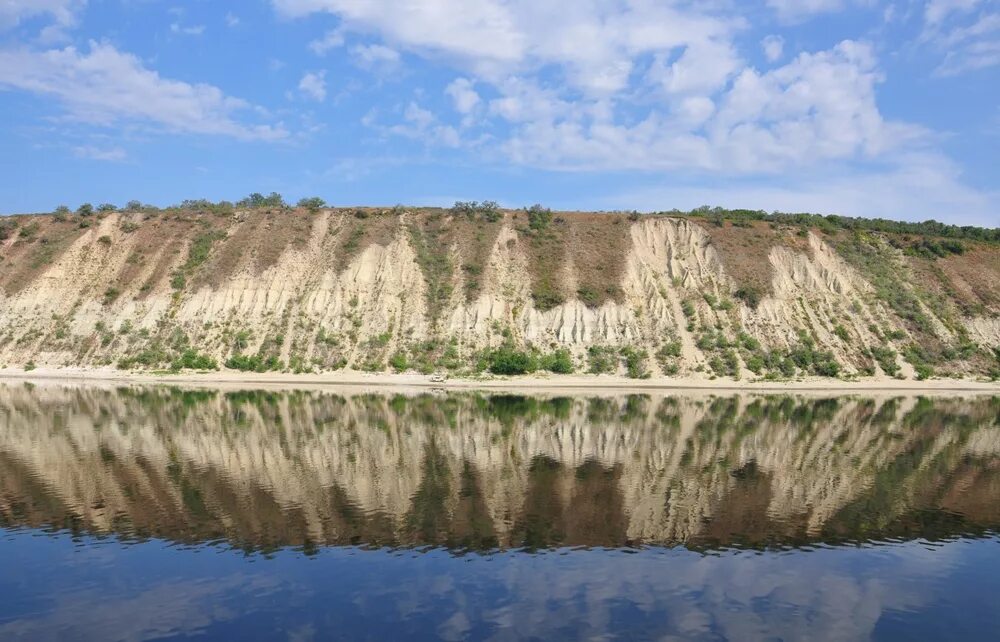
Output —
<point x="474" y="288"/>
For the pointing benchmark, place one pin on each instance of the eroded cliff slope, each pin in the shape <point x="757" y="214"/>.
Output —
<point x="426" y="289"/>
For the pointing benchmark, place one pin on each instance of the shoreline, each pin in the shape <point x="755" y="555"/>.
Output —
<point x="581" y="382"/>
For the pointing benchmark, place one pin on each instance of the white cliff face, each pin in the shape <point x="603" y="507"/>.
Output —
<point x="305" y="307"/>
<point x="285" y="468"/>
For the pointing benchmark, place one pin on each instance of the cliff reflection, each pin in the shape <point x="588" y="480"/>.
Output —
<point x="263" y="470"/>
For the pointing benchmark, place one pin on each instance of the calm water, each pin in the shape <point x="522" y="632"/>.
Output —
<point x="159" y="513"/>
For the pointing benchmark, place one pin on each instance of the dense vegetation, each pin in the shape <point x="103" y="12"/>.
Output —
<point x="833" y="222"/>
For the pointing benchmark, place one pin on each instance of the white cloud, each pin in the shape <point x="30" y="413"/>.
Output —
<point x="115" y="154"/>
<point x="108" y="87"/>
<point x="190" y="30"/>
<point x="701" y="69"/>
<point x="969" y="40"/>
<point x="63" y="12"/>
<point x="418" y="124"/>
<point x="375" y="58"/>
<point x="798" y="10"/>
<point x="641" y="86"/>
<point x="232" y="20"/>
<point x="331" y="40"/>
<point x="774" y="47"/>
<point x="819" y="107"/>
<point x="913" y="187"/>
<point x="936" y="11"/>
<point x="462" y="95"/>
<point x="596" y="43"/>
<point x="313" y="85"/>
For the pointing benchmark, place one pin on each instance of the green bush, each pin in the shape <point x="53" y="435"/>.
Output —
<point x="602" y="359"/>
<point x="487" y="210"/>
<point x="191" y="359"/>
<point x="85" y="210"/>
<point x="257" y="200"/>
<point x="399" y="361"/>
<point x="749" y="295"/>
<point x="886" y="359"/>
<point x="559" y="362"/>
<point x="749" y="342"/>
<point x="539" y="218"/>
<point x="505" y="360"/>
<point x="635" y="363"/>
<point x="589" y="296"/>
<point x="755" y="363"/>
<point x="254" y="363"/>
<point x="670" y="349"/>
<point x="312" y="203"/>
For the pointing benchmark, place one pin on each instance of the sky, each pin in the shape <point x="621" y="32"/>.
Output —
<point x="856" y="107"/>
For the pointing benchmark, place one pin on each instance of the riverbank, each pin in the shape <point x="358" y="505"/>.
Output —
<point x="518" y="383"/>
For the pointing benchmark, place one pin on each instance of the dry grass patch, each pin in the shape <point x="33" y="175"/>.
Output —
<point x="30" y="255"/>
<point x="971" y="279"/>
<point x="358" y="228"/>
<point x="598" y="245"/>
<point x="743" y="248"/>
<point x="595" y="245"/>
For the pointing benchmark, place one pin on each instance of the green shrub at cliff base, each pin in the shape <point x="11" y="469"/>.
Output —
<point x="886" y="359"/>
<point x="602" y="359"/>
<point x="193" y="360"/>
<point x="253" y="363"/>
<point x="506" y="360"/>
<point x="559" y="362"/>
<point x="635" y="363"/>
<point x="399" y="361"/>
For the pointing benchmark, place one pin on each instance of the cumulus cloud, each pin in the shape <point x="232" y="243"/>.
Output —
<point x="912" y="187"/>
<point x="462" y="94"/>
<point x="816" y="108"/>
<point x="375" y="58"/>
<point x="657" y="87"/>
<point x="794" y="10"/>
<point x="936" y="11"/>
<point x="418" y="124"/>
<point x="63" y="12"/>
<point x="969" y="39"/>
<point x="331" y="40"/>
<point x="90" y="152"/>
<point x="774" y="47"/>
<point x="493" y="39"/>
<point x="188" y="30"/>
<point x="106" y="86"/>
<point x="653" y="87"/>
<point x="313" y="85"/>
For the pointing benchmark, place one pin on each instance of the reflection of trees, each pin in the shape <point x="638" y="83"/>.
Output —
<point x="474" y="472"/>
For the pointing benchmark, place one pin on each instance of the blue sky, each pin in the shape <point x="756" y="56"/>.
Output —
<point x="857" y="107"/>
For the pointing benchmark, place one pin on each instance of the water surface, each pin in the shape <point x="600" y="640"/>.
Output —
<point x="161" y="513"/>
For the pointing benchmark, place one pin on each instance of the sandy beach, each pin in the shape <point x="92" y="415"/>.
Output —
<point x="536" y="382"/>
